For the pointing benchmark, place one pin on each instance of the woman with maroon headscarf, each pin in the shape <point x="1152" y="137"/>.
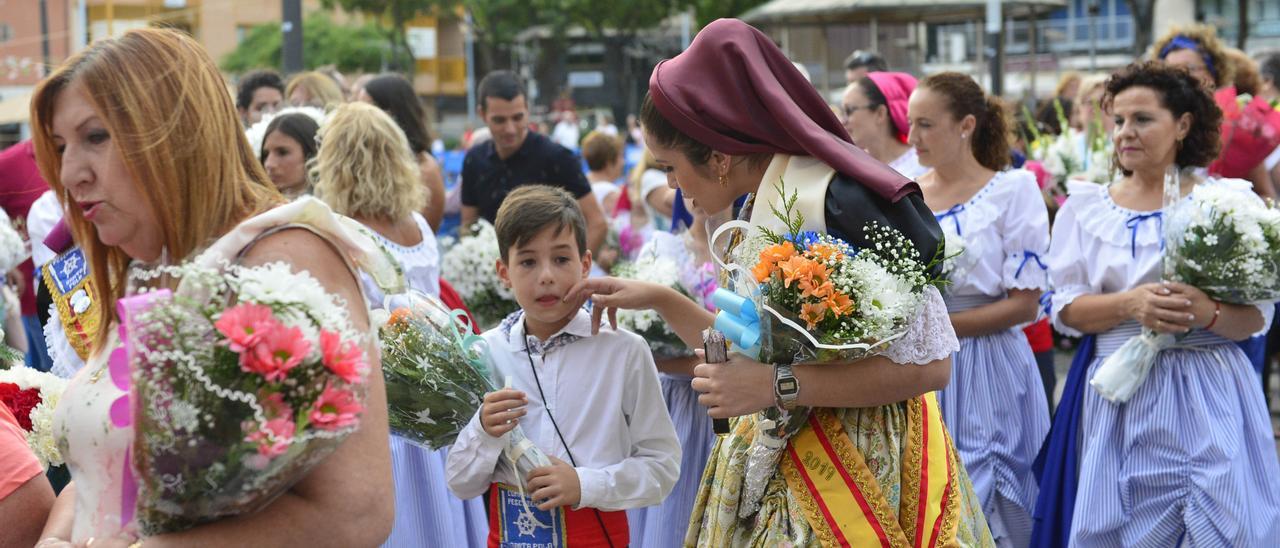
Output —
<point x="874" y="466"/>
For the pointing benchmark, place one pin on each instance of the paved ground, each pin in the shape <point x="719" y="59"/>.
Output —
<point x="1062" y="361"/>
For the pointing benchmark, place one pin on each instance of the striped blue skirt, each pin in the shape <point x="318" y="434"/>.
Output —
<point x="665" y="525"/>
<point x="1188" y="459"/>
<point x="427" y="513"/>
<point x="996" y="411"/>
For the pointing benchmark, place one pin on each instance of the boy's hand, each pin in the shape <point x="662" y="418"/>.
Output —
<point x="501" y="410"/>
<point x="556" y="485"/>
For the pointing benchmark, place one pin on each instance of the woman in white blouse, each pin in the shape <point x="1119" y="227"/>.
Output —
<point x="1189" y="459"/>
<point x="995" y="404"/>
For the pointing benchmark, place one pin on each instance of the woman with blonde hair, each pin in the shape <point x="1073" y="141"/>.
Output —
<point x="648" y="185"/>
<point x="313" y="89"/>
<point x="366" y="170"/>
<point x="603" y="154"/>
<point x="395" y="95"/>
<point x="140" y="139"/>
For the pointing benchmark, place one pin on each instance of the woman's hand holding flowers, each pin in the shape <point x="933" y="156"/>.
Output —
<point x="1163" y="309"/>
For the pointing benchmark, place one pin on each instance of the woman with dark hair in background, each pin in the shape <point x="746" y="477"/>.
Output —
<point x="285" y="147"/>
<point x="995" y="405"/>
<point x="394" y="94"/>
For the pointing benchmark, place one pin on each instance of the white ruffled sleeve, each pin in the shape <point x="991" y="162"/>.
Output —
<point x="1024" y="228"/>
<point x="66" y="362"/>
<point x="930" y="337"/>
<point x="1068" y="269"/>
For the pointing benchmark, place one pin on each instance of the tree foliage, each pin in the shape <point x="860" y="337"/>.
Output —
<point x="706" y="11"/>
<point x="392" y="15"/>
<point x="358" y="48"/>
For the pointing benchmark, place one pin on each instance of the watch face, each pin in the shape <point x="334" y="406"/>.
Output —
<point x="787" y="387"/>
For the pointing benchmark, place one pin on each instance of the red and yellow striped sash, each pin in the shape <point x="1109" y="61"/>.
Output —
<point x="843" y="502"/>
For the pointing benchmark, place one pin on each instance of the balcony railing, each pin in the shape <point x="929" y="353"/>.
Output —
<point x="1070" y="36"/>
<point x="1053" y="36"/>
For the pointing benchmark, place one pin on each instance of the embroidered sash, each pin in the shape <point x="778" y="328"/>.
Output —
<point x="515" y="521"/>
<point x="843" y="503"/>
<point x="67" y="278"/>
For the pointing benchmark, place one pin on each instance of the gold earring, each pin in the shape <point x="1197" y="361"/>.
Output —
<point x="724" y="179"/>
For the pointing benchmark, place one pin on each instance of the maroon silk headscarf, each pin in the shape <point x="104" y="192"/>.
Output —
<point x="734" y="91"/>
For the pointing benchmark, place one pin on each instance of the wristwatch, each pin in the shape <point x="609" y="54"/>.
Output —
<point x="786" y="388"/>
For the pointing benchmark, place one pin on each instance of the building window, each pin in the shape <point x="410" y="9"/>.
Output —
<point x="6" y="32"/>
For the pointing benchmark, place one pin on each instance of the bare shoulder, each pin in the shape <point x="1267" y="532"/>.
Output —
<point x="428" y="165"/>
<point x="305" y="251"/>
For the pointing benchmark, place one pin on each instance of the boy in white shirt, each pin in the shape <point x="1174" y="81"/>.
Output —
<point x="592" y="403"/>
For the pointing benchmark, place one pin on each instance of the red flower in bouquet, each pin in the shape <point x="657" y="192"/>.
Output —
<point x="245" y="324"/>
<point x="335" y="409"/>
<point x="276" y="352"/>
<point x="281" y="428"/>
<point x="20" y="402"/>
<point x="343" y="358"/>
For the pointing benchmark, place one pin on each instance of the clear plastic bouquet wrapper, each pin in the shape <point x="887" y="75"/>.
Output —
<point x="437" y="373"/>
<point x="31" y="396"/>
<point x="808" y="297"/>
<point x="434" y="368"/>
<point x="239" y="380"/>
<point x="651" y="267"/>
<point x="1222" y="241"/>
<point x="470" y="260"/>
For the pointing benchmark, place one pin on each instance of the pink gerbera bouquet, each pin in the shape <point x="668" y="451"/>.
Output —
<point x="242" y="380"/>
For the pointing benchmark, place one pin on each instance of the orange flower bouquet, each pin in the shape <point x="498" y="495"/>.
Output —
<point x="810" y="297"/>
<point x="822" y="299"/>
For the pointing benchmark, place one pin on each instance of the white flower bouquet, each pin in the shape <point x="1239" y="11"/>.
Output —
<point x="468" y="263"/>
<point x="1224" y="242"/>
<point x="956" y="263"/>
<point x="31" y="396"/>
<point x="651" y="267"/>
<point x="13" y="249"/>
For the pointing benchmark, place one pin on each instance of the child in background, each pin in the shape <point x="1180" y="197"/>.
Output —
<point x="592" y="403"/>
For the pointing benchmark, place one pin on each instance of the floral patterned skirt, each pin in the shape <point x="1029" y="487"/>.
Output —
<point x="879" y="433"/>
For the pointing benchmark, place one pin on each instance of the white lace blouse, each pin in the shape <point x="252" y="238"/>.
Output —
<point x="1099" y="247"/>
<point x="1004" y="230"/>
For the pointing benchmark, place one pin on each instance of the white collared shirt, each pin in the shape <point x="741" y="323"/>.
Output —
<point x="603" y="390"/>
